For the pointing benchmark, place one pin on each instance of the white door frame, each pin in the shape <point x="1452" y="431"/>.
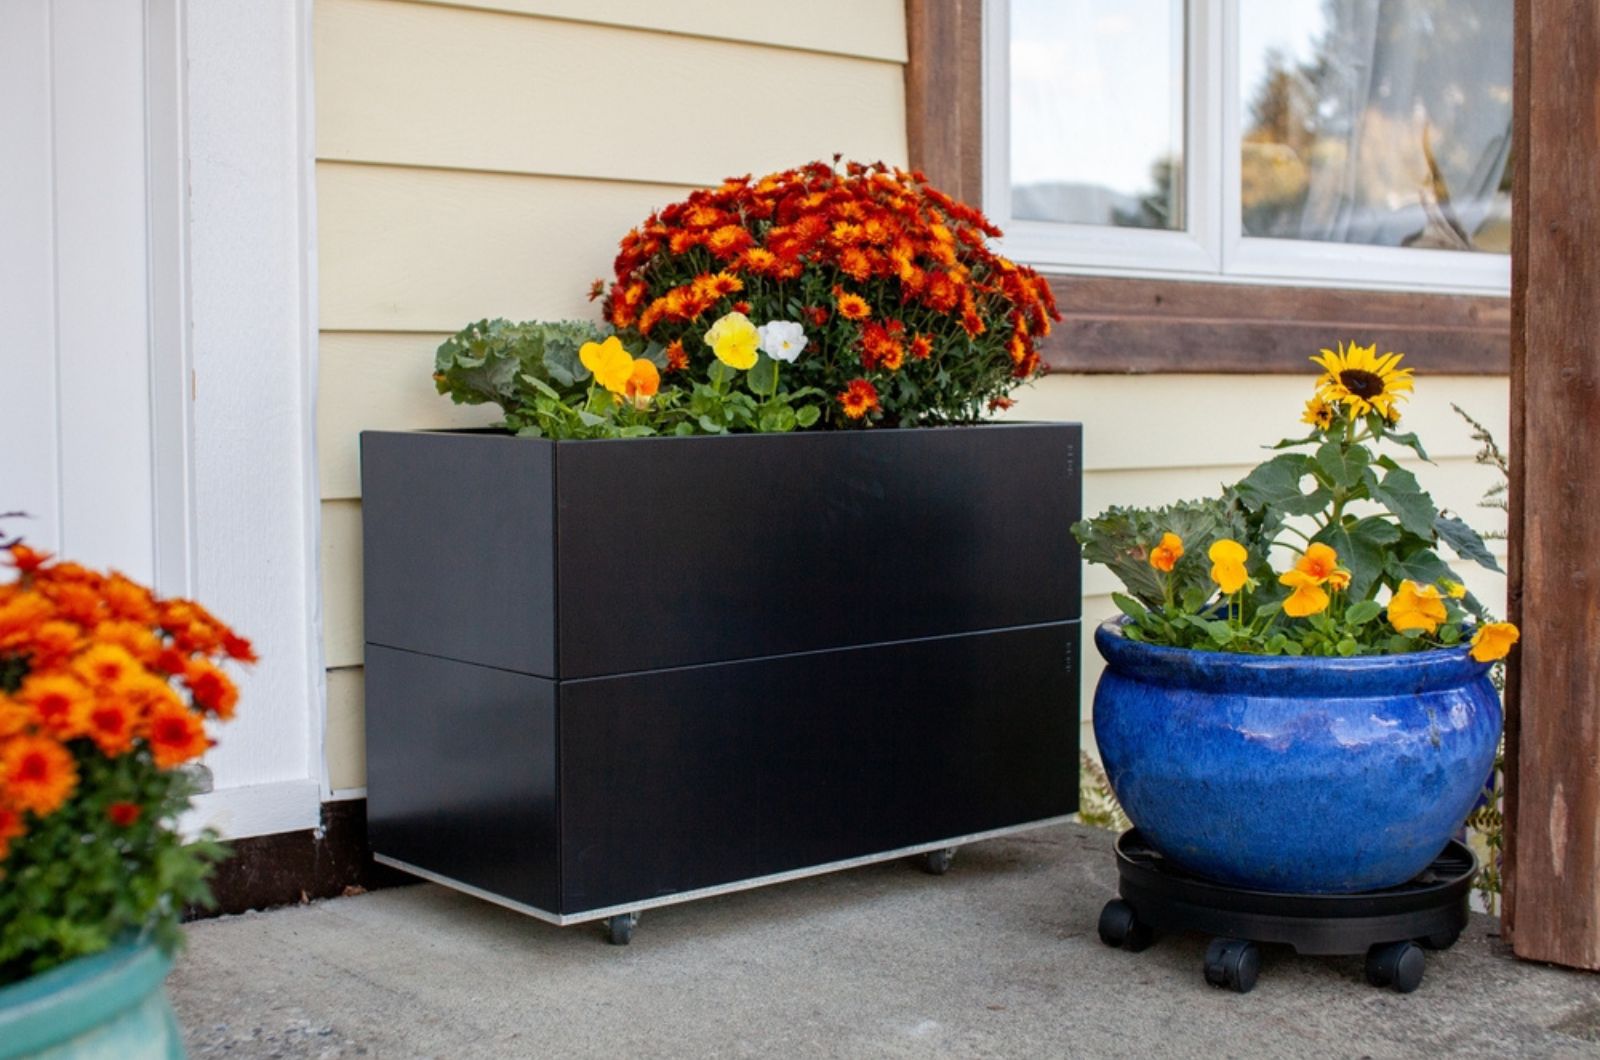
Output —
<point x="233" y="341"/>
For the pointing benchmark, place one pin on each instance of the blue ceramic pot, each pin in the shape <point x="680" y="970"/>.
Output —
<point x="1312" y="776"/>
<point x="111" y="1006"/>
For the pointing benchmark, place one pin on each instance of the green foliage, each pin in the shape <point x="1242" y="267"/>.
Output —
<point x="1334" y="487"/>
<point x="533" y="371"/>
<point x="77" y="882"/>
<point x="496" y="360"/>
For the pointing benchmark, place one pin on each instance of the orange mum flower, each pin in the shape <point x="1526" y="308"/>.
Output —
<point x="106" y="666"/>
<point x="20" y="616"/>
<point x="238" y="648"/>
<point x="176" y="735"/>
<point x="851" y="306"/>
<point x="729" y="241"/>
<point x="57" y="702"/>
<point x="109" y="721"/>
<point x="922" y="348"/>
<point x="859" y="398"/>
<point x="124" y="814"/>
<point x="677" y="360"/>
<point x="133" y="638"/>
<point x="129" y="600"/>
<point x="36" y="773"/>
<point x="27" y="560"/>
<point x="10" y="828"/>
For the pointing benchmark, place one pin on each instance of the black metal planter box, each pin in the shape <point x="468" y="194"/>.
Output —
<point x="603" y="676"/>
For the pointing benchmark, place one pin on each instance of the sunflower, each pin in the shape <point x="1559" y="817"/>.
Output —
<point x="1358" y="377"/>
<point x="1319" y="414"/>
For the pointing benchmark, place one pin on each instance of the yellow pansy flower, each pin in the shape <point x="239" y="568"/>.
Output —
<point x="611" y="364"/>
<point x="1308" y="598"/>
<point x="1227" y="565"/>
<point x="1454" y="590"/>
<point x="1416" y="607"/>
<point x="1493" y="641"/>
<point x="734" y="340"/>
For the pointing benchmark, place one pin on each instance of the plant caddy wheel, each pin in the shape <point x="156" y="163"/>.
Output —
<point x="1391" y="927"/>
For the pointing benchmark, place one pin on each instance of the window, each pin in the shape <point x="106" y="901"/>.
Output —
<point x="1355" y="143"/>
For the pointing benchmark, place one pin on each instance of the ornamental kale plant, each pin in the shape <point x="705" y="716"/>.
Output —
<point x="1359" y="535"/>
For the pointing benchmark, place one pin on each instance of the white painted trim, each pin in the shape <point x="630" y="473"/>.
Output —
<point x="167" y="249"/>
<point x="1213" y="247"/>
<point x="252" y="285"/>
<point x="256" y="809"/>
<point x="317" y="678"/>
<point x="346" y="794"/>
<point x="565" y="919"/>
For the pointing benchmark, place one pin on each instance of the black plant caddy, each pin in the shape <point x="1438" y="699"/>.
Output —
<point x="1391" y="927"/>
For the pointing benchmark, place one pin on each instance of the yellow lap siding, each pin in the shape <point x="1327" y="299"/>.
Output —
<point x="417" y="84"/>
<point x="870" y="29"/>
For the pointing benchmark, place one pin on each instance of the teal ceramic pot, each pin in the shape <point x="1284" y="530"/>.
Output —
<point x="1301" y="775"/>
<point x="111" y="1006"/>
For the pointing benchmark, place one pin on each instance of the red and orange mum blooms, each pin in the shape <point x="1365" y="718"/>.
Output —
<point x="91" y="667"/>
<point x="890" y="276"/>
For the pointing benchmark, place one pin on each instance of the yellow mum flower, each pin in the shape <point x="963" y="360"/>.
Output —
<point x="1308" y="598"/>
<point x="1227" y="565"/>
<point x="611" y="364"/>
<point x="1493" y="641"/>
<point x="1416" y="607"/>
<point x="1362" y="380"/>
<point x="1166" y="555"/>
<point x="734" y="340"/>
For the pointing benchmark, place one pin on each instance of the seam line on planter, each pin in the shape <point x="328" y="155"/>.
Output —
<point x="746" y="659"/>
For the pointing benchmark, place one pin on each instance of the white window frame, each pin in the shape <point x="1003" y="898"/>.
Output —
<point x="1213" y="246"/>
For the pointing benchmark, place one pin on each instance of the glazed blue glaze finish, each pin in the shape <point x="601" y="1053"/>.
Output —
<point x="1313" y="776"/>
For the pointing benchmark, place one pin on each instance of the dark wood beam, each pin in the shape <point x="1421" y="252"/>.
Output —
<point x="1552" y="907"/>
<point x="944" y="94"/>
<point x="1112" y="325"/>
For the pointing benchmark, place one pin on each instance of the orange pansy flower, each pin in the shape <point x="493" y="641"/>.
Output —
<point x="1167" y="553"/>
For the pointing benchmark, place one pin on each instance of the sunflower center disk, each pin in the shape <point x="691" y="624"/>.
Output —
<point x="1362" y="384"/>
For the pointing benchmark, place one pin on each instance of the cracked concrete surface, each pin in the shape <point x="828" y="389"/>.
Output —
<point x="998" y="958"/>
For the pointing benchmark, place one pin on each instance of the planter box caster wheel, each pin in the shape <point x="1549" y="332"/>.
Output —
<point x="937" y="862"/>
<point x="619" y="928"/>
<point x="1119" y="927"/>
<point x="1233" y="963"/>
<point x="1398" y="965"/>
<point x="1441" y="940"/>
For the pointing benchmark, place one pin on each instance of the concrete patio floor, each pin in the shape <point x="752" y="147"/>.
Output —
<point x="998" y="958"/>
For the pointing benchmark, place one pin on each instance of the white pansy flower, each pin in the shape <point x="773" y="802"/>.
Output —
<point x="782" y="340"/>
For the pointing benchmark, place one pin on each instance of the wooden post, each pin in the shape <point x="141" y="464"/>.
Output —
<point x="944" y="94"/>
<point x="1552" y="901"/>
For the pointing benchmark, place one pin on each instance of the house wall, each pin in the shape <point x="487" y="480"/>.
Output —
<point x="482" y="161"/>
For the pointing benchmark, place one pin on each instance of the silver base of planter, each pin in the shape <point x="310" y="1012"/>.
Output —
<point x="564" y="919"/>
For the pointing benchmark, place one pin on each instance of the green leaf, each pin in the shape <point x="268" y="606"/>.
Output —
<point x="720" y="374"/>
<point x="1423" y="567"/>
<point x="1400" y="493"/>
<point x="807" y="415"/>
<point x="763" y="375"/>
<point x="1362" y="612"/>
<point x="1275" y="482"/>
<point x="1343" y="466"/>
<point x="1219" y="632"/>
<point x="1129" y="606"/>
<point x="1289" y="443"/>
<point x="1347" y="647"/>
<point x="1465" y="541"/>
<point x="1409" y="440"/>
<point x="1360" y="545"/>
